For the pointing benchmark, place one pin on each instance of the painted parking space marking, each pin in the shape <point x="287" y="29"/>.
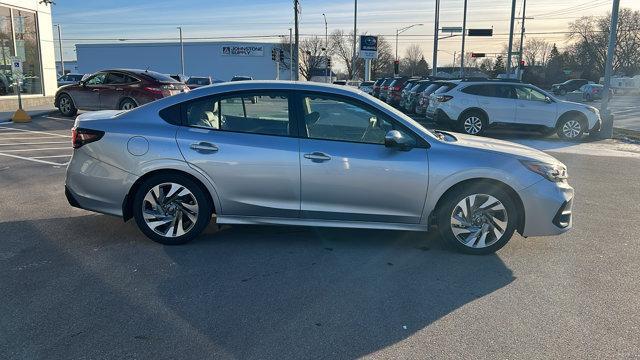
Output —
<point x="34" y="131"/>
<point x="50" y="156"/>
<point x="20" y="150"/>
<point x="37" y="146"/>
<point x="36" y="143"/>
<point x="35" y="160"/>
<point x="59" y="118"/>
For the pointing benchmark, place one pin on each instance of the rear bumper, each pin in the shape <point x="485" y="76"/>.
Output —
<point x="547" y="208"/>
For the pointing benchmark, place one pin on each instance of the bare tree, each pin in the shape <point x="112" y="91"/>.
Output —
<point x="536" y="51"/>
<point x="411" y="59"/>
<point x="383" y="65"/>
<point x="311" y="56"/>
<point x="341" y="45"/>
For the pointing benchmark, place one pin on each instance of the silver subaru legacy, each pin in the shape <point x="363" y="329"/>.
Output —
<point x="293" y="153"/>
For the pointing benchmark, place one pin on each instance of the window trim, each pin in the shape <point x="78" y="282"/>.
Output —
<point x="293" y="126"/>
<point x="299" y="95"/>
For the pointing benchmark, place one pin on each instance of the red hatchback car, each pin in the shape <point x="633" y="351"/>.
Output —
<point x="116" y="90"/>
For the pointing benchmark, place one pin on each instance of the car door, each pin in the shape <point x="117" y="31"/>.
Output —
<point x="498" y="101"/>
<point x="113" y="90"/>
<point x="346" y="171"/>
<point x="248" y="148"/>
<point x="87" y="95"/>
<point x="534" y="107"/>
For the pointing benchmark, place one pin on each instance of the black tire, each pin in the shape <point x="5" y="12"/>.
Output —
<point x="204" y="208"/>
<point x="450" y="202"/>
<point x="66" y="105"/>
<point x="472" y="123"/>
<point x="571" y="128"/>
<point x="127" y="104"/>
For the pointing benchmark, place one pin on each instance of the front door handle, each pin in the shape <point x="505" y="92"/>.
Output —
<point x="204" y="147"/>
<point x="95" y="89"/>
<point x="317" y="156"/>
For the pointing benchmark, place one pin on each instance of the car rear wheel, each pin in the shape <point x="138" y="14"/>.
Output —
<point x="477" y="219"/>
<point x="66" y="105"/>
<point x="571" y="128"/>
<point x="171" y="209"/>
<point x="473" y="123"/>
<point x="128" y="104"/>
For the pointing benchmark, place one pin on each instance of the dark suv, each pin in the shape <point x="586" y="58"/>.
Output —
<point x="568" y="86"/>
<point x="376" y="87"/>
<point x="117" y="89"/>
<point x="395" y="90"/>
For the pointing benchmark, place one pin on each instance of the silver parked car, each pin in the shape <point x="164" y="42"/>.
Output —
<point x="308" y="154"/>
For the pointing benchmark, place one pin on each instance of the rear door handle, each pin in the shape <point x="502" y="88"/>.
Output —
<point x="95" y="89"/>
<point x="204" y="147"/>
<point x="119" y="89"/>
<point x="317" y="156"/>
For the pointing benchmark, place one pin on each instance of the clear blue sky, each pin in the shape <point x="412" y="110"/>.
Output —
<point x="145" y="19"/>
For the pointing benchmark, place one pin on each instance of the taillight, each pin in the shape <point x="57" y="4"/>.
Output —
<point x="444" y="98"/>
<point x="80" y="136"/>
<point x="154" y="90"/>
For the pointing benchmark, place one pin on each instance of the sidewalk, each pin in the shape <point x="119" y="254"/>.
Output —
<point x="5" y="116"/>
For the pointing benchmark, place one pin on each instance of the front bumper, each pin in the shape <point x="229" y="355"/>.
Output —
<point x="547" y="208"/>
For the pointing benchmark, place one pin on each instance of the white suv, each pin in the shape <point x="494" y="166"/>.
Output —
<point x="472" y="106"/>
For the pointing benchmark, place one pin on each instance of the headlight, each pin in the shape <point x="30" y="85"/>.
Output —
<point x="551" y="172"/>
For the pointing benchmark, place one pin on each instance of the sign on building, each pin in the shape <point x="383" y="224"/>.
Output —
<point x="242" y="50"/>
<point x="368" y="47"/>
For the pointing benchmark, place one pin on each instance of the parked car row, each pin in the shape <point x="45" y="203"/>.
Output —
<point x="473" y="105"/>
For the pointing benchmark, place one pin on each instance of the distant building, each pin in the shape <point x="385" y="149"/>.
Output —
<point x="70" y="67"/>
<point x="26" y="33"/>
<point x="220" y="60"/>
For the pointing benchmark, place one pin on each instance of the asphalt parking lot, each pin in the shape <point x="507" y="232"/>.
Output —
<point x="82" y="285"/>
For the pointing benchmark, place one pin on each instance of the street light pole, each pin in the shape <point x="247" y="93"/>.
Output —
<point x="355" y="29"/>
<point x="181" y="51"/>
<point x="398" y="32"/>
<point x="326" y="49"/>
<point x="60" y="45"/>
<point x="291" y="54"/>
<point x="607" y="119"/>
<point x="435" y="38"/>
<point x="297" y="42"/>
<point x="511" y="24"/>
<point x="464" y="33"/>
<point x="524" y="9"/>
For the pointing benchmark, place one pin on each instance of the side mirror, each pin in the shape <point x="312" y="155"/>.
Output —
<point x="395" y="139"/>
<point x="548" y="100"/>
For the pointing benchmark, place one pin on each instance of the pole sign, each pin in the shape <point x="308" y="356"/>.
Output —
<point x="478" y="55"/>
<point x="16" y="65"/>
<point x="480" y="32"/>
<point x="368" y="47"/>
<point x="451" y="29"/>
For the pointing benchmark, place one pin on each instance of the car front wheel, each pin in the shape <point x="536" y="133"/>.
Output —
<point x="571" y="128"/>
<point x="171" y="209"/>
<point x="473" y="123"/>
<point x="128" y="104"/>
<point x="477" y="219"/>
<point x="66" y="105"/>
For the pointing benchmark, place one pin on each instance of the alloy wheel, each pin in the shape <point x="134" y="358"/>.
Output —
<point x="128" y="105"/>
<point x="571" y="129"/>
<point x="65" y="105"/>
<point x="472" y="125"/>
<point x="479" y="221"/>
<point x="170" y="209"/>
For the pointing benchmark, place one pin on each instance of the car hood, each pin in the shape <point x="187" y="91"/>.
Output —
<point x="502" y="147"/>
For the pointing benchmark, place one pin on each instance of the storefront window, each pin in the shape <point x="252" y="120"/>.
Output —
<point x="27" y="49"/>
<point x="6" y="51"/>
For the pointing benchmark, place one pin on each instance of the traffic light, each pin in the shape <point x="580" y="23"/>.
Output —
<point x="328" y="62"/>
<point x="281" y="55"/>
<point x="273" y="54"/>
<point x="396" y="67"/>
<point x="522" y="64"/>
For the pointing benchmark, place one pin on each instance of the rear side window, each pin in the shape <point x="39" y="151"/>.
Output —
<point x="431" y="88"/>
<point x="257" y="113"/>
<point x="444" y="88"/>
<point x="171" y="114"/>
<point x="159" y="77"/>
<point x="473" y="90"/>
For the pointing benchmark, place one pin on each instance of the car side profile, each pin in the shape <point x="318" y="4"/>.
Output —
<point x="312" y="155"/>
<point x="473" y="106"/>
<point x="569" y="86"/>
<point x="122" y="89"/>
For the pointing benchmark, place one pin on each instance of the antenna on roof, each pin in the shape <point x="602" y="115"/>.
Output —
<point x="147" y="69"/>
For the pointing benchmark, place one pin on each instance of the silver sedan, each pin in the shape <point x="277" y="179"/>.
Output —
<point x="293" y="153"/>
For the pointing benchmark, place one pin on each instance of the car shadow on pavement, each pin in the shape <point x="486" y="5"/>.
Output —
<point x="91" y="286"/>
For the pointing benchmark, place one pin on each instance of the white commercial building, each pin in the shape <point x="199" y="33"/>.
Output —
<point x="26" y="33"/>
<point x="220" y="60"/>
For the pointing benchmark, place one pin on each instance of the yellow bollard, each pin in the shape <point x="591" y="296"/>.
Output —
<point x="20" y="116"/>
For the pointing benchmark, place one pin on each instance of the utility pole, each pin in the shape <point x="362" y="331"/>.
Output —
<point x="434" y="71"/>
<point x="355" y="30"/>
<point x="524" y="10"/>
<point x="326" y="49"/>
<point x="464" y="33"/>
<point x="511" y="24"/>
<point x="606" y="130"/>
<point x="291" y="54"/>
<point x="181" y="52"/>
<point x="297" y="42"/>
<point x="60" y="45"/>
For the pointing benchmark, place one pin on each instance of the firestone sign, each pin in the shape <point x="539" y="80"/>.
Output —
<point x="242" y="50"/>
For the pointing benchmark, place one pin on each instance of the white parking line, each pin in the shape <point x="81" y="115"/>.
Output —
<point x="34" y="131"/>
<point x="35" y="160"/>
<point x="57" y="118"/>
<point x="25" y="138"/>
<point x="19" y="150"/>
<point x="36" y="143"/>
<point x="51" y="156"/>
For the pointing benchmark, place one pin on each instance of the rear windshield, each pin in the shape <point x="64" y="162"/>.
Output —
<point x="388" y="81"/>
<point x="158" y="77"/>
<point x="431" y="88"/>
<point x="444" y="88"/>
<point x="366" y="83"/>
<point x="378" y="82"/>
<point x="198" y="81"/>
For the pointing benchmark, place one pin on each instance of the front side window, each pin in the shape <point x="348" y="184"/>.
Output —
<point x="332" y="118"/>
<point x="530" y="94"/>
<point x="258" y="113"/>
<point x="97" y="79"/>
